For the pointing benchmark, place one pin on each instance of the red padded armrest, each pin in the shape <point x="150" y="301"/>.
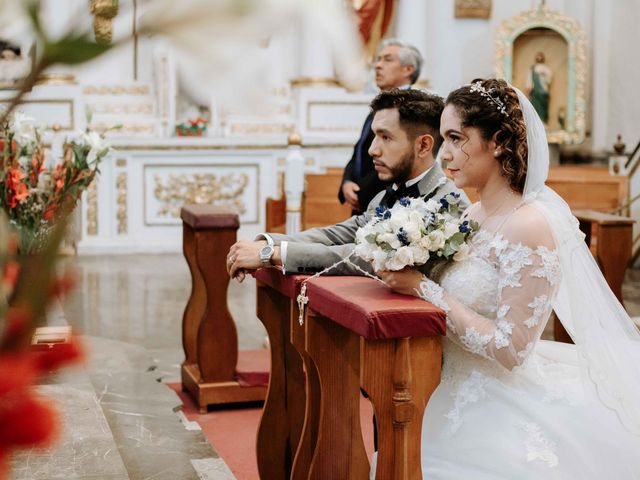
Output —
<point x="372" y="310"/>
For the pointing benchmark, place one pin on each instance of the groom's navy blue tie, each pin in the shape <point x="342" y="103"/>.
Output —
<point x="391" y="196"/>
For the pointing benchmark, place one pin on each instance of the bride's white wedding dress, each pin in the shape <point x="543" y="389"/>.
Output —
<point x="511" y="406"/>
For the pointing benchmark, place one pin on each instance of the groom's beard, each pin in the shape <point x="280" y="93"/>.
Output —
<point x="402" y="171"/>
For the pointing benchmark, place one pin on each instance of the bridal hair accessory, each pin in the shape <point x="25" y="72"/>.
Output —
<point x="489" y="95"/>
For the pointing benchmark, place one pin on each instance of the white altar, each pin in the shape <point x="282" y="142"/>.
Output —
<point x="142" y="87"/>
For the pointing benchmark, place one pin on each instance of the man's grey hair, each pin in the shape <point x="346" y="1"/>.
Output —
<point x="408" y="54"/>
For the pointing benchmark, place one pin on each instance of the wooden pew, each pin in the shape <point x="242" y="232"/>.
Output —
<point x="214" y="371"/>
<point x="584" y="187"/>
<point x="320" y="204"/>
<point x="347" y="342"/>
<point x="609" y="238"/>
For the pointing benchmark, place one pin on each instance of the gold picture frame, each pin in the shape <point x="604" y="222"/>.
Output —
<point x="520" y="39"/>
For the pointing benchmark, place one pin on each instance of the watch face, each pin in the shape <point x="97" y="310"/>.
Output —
<point x="266" y="251"/>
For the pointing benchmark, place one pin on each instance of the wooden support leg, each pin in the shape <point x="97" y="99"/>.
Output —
<point x="282" y="417"/>
<point x="309" y="437"/>
<point x="217" y="335"/>
<point x="194" y="311"/>
<point x="400" y="375"/>
<point x="335" y="352"/>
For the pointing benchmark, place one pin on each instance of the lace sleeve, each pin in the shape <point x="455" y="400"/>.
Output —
<point x="528" y="280"/>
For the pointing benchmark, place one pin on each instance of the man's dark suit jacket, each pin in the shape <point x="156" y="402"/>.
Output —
<point x="367" y="178"/>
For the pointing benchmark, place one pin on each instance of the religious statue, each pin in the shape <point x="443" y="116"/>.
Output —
<point x="538" y="84"/>
<point x="13" y="66"/>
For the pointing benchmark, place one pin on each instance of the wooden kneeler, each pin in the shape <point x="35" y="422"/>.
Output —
<point x="214" y="372"/>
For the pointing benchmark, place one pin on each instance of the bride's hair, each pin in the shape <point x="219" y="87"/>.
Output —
<point x="492" y="106"/>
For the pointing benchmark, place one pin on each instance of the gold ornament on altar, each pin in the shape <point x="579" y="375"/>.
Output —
<point x="202" y="188"/>
<point x="473" y="9"/>
<point x="104" y="12"/>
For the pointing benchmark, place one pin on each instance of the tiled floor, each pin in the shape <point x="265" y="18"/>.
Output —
<point x="123" y="425"/>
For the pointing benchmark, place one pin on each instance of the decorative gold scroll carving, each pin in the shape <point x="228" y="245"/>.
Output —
<point x="201" y="188"/>
<point x="116" y="90"/>
<point x="92" y="208"/>
<point x="314" y="82"/>
<point x="143" y="128"/>
<point x="121" y="214"/>
<point x="103" y="11"/>
<point x="56" y="79"/>
<point x="145" y="108"/>
<point x="257" y="129"/>
<point x="472" y="9"/>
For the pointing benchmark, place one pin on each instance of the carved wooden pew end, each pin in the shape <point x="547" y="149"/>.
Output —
<point x="214" y="372"/>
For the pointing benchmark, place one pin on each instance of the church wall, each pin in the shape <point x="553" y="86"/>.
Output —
<point x="150" y="101"/>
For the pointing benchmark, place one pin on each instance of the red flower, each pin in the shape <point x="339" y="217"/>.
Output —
<point x="16" y="189"/>
<point x="37" y="166"/>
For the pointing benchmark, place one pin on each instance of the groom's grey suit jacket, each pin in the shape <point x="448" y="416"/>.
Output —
<point x="317" y="248"/>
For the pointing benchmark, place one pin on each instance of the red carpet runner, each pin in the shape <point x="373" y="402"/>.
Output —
<point x="232" y="432"/>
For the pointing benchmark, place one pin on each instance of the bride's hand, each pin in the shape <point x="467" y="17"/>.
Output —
<point x="405" y="281"/>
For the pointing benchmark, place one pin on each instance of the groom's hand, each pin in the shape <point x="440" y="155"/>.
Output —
<point x="405" y="281"/>
<point x="244" y="257"/>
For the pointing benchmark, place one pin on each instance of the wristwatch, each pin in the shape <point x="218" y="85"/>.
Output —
<point x="266" y="253"/>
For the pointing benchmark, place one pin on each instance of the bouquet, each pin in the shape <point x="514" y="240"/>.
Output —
<point x="33" y="191"/>
<point x="193" y="128"/>
<point x="413" y="232"/>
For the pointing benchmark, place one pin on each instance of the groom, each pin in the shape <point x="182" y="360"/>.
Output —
<point x="406" y="125"/>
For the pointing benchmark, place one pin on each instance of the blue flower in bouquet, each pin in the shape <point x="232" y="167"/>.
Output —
<point x="383" y="212"/>
<point x="414" y="231"/>
<point x="403" y="236"/>
<point x="465" y="227"/>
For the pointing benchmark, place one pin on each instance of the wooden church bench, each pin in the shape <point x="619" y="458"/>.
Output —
<point x="356" y="333"/>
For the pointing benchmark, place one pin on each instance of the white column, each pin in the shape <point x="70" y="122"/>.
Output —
<point x="414" y="19"/>
<point x="314" y="55"/>
<point x="602" y="18"/>
<point x="294" y="184"/>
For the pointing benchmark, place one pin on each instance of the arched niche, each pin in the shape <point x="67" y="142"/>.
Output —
<point x="561" y="40"/>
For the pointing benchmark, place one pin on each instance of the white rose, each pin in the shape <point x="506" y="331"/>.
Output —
<point x="462" y="253"/>
<point x="364" y="250"/>
<point x="420" y="255"/>
<point x="398" y="219"/>
<point x="378" y="259"/>
<point x="414" y="227"/>
<point x="437" y="240"/>
<point x="389" y="238"/>
<point x="432" y="205"/>
<point x="402" y="258"/>
<point x="425" y="242"/>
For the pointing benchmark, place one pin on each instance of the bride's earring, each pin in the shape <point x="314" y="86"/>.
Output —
<point x="497" y="152"/>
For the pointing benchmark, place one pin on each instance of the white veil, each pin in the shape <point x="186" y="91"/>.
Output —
<point x="607" y="341"/>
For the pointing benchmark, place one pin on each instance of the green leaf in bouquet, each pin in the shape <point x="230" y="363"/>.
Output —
<point x="73" y="50"/>
<point x="371" y="238"/>
<point x="457" y="239"/>
<point x="386" y="247"/>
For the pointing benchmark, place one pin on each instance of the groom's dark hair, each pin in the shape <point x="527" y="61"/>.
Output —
<point x="419" y="112"/>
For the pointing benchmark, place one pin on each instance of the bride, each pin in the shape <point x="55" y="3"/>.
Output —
<point x="511" y="406"/>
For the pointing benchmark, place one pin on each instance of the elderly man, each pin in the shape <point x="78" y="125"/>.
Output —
<point x="397" y="66"/>
<point x="406" y="125"/>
